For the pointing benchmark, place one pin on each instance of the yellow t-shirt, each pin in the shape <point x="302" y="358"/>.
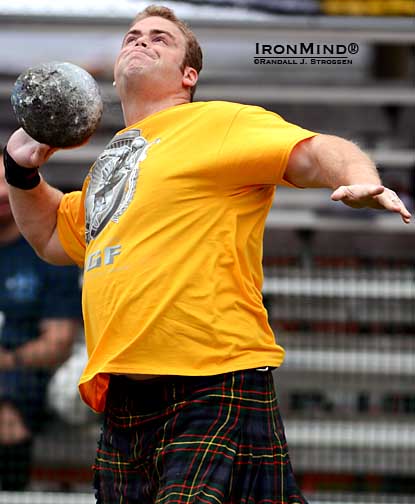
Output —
<point x="169" y="229"/>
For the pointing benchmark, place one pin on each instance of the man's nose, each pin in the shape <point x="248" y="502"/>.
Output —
<point x="141" y="42"/>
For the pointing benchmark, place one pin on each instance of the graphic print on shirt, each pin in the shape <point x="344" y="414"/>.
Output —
<point x="113" y="179"/>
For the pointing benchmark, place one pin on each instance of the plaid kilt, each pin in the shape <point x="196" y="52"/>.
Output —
<point x="208" y="440"/>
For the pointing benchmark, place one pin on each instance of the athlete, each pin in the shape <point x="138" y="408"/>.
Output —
<point x="169" y="227"/>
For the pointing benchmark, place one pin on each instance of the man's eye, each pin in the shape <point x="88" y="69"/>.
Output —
<point x="128" y="40"/>
<point x="160" y="39"/>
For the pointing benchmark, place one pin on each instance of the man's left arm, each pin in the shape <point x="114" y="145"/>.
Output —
<point x="338" y="164"/>
<point x="50" y="349"/>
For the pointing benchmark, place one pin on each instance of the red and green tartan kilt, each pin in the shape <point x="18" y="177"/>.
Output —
<point x="208" y="440"/>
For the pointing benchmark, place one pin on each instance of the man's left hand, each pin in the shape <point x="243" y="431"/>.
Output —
<point x="371" y="196"/>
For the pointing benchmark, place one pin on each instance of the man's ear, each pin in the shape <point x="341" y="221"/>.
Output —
<point x="190" y="77"/>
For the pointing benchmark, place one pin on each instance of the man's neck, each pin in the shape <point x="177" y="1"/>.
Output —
<point x="137" y="110"/>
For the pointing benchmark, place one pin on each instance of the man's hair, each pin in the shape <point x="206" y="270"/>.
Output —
<point x="193" y="56"/>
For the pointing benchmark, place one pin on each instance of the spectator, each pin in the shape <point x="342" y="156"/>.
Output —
<point x="40" y="318"/>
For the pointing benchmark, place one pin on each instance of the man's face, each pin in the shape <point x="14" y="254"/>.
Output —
<point x="5" y="211"/>
<point x="154" y="48"/>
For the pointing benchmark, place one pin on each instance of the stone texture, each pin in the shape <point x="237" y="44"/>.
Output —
<point x="57" y="103"/>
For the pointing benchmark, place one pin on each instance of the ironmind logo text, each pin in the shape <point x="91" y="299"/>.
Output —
<point x="306" y="49"/>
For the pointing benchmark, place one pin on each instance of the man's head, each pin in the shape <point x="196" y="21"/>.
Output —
<point x="165" y="43"/>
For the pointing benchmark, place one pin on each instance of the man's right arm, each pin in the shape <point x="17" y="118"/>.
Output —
<point x="35" y="210"/>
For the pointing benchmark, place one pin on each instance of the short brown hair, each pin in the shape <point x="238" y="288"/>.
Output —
<point x="193" y="56"/>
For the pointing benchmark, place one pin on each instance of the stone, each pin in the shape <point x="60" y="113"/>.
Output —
<point x="57" y="103"/>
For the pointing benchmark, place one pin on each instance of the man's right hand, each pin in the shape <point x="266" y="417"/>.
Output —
<point x="28" y="152"/>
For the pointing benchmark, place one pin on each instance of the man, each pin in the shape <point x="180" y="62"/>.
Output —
<point x="169" y="227"/>
<point x="40" y="313"/>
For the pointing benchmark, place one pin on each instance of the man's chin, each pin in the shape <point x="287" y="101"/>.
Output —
<point x="140" y="68"/>
<point x="136" y="75"/>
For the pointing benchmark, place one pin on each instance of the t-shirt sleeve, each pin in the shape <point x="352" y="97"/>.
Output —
<point x="71" y="226"/>
<point x="257" y="146"/>
<point x="61" y="293"/>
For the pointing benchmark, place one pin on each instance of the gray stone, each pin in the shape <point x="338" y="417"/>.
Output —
<point x="57" y="103"/>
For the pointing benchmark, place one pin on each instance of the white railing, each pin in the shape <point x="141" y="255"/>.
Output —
<point x="85" y="498"/>
<point x="367" y="288"/>
<point x="351" y="434"/>
<point x="352" y="361"/>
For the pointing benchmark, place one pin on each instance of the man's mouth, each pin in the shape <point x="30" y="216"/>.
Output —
<point x="142" y="52"/>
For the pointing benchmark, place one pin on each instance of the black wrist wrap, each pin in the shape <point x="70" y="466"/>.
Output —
<point x="18" y="176"/>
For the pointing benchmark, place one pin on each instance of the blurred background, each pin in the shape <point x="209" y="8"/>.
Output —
<point x="339" y="283"/>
